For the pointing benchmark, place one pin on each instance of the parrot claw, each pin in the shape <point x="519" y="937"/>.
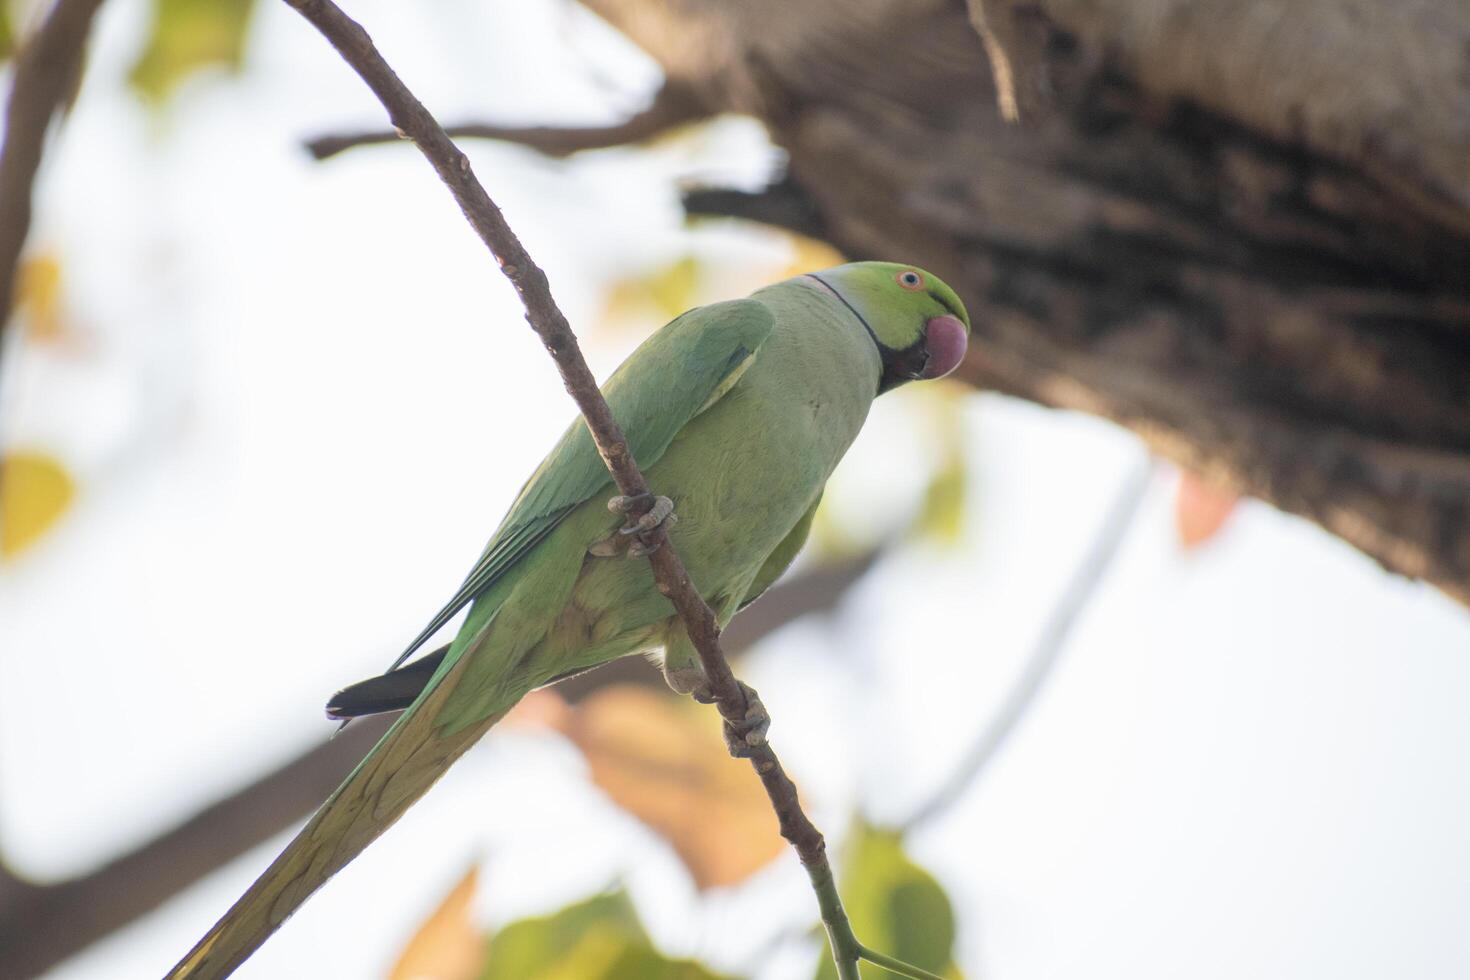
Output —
<point x="750" y="733"/>
<point x="625" y="505"/>
<point x="740" y="738"/>
<point x="659" y="514"/>
<point x="661" y="511"/>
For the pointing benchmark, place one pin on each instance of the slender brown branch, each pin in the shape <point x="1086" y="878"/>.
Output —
<point x="409" y="115"/>
<point x="46" y="73"/>
<point x="672" y="106"/>
<point x="1074" y="600"/>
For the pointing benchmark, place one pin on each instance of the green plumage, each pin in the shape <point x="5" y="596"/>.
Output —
<point x="738" y="412"/>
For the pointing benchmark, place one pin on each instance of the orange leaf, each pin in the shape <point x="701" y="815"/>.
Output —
<point x="663" y="760"/>
<point x="543" y="708"/>
<point x="1200" y="510"/>
<point x="447" y="946"/>
<point x="35" y="490"/>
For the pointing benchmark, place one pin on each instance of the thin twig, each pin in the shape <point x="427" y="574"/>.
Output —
<point x="898" y="967"/>
<point x="46" y="73"/>
<point x="406" y="113"/>
<point x="672" y="106"/>
<point x="1075" y="598"/>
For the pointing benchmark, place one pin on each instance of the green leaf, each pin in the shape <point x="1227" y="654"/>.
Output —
<point x="598" y="939"/>
<point x="189" y="35"/>
<point x="7" y="32"/>
<point x="529" y="947"/>
<point x="896" y="907"/>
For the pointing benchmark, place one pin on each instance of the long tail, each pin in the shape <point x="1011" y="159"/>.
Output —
<point x="400" y="769"/>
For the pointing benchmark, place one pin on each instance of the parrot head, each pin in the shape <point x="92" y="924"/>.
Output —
<point x="919" y="324"/>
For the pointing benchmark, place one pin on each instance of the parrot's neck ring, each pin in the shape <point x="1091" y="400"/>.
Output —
<point x="833" y="290"/>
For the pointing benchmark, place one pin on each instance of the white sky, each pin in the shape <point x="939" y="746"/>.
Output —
<point x="288" y="415"/>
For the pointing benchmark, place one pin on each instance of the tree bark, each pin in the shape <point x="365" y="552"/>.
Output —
<point x="1240" y="229"/>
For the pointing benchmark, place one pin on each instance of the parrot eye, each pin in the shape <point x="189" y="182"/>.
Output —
<point x="909" y="279"/>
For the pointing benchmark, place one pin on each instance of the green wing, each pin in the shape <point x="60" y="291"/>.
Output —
<point x="673" y="376"/>
<point x="780" y="559"/>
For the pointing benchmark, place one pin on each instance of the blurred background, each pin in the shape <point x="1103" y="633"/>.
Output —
<point x="1060" y="708"/>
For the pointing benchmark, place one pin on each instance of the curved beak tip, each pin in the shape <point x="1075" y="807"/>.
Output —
<point x="946" y="339"/>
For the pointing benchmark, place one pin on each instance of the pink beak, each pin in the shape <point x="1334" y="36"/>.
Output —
<point x="945" y="338"/>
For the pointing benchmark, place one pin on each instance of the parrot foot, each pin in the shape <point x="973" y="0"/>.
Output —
<point x="749" y="733"/>
<point x="660" y="514"/>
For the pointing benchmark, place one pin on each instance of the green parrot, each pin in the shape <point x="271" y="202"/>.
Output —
<point x="739" y="411"/>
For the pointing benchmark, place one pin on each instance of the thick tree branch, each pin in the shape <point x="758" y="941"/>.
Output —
<point x="1203" y="231"/>
<point x="46" y="73"/>
<point x="782" y="204"/>
<point x="44" y="924"/>
<point x="409" y="115"/>
<point x="57" y="920"/>
<point x="672" y="106"/>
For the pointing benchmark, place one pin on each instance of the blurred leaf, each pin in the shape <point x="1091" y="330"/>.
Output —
<point x="941" y="516"/>
<point x="531" y="947"/>
<point x="38" y="296"/>
<point x="661" y="294"/>
<point x="35" y="490"/>
<point x="809" y="255"/>
<point x="834" y="540"/>
<point x="599" y="939"/>
<point x="447" y="946"/>
<point x="663" y="760"/>
<point x="188" y="35"/>
<point x="895" y="906"/>
<point x="1200" y="510"/>
<point x="542" y="708"/>
<point x="7" y="32"/>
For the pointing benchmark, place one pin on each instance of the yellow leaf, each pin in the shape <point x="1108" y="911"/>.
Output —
<point x="659" y="295"/>
<point x="809" y="255"/>
<point x="1201" y="510"/>
<point x="447" y="946"/>
<point x="35" y="490"/>
<point x="941" y="517"/>
<point x="38" y="296"/>
<point x="188" y="35"/>
<point x="663" y="760"/>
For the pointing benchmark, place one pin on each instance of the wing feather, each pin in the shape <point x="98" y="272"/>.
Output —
<point x="673" y="376"/>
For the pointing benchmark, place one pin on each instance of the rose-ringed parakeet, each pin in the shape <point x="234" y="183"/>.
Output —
<point x="738" y="412"/>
